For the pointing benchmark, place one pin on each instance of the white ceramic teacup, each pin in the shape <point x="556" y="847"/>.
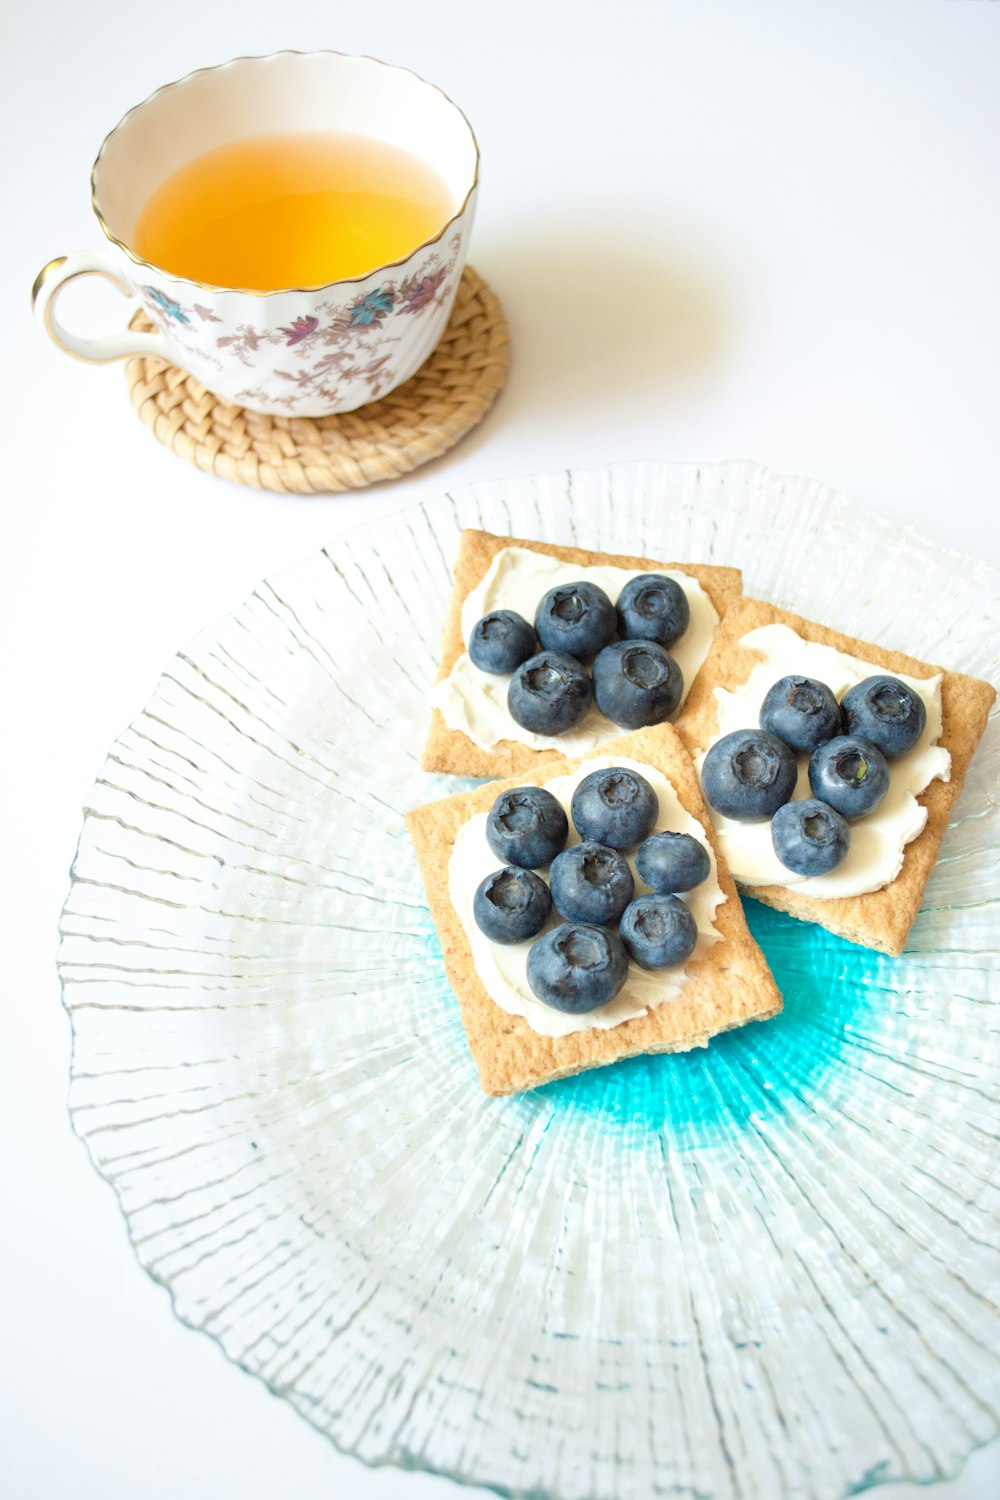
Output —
<point x="303" y="352"/>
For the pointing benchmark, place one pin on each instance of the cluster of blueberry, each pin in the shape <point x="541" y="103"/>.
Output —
<point x="636" y="682"/>
<point x="582" y="963"/>
<point x="751" y="773"/>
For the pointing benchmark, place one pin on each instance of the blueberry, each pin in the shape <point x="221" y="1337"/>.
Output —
<point x="577" y="968"/>
<point x="670" y="862"/>
<point x="809" y="837"/>
<point x="801" y="711"/>
<point x="637" y="683"/>
<point x="549" y="693"/>
<point x="658" y="930"/>
<point x="591" y="883"/>
<point x="653" y="607"/>
<point x="749" y="774"/>
<point x="577" y="618"/>
<point x="511" y="905"/>
<point x="501" y="641"/>
<point x="885" y="712"/>
<point x="526" y="826"/>
<point x="850" y="774"/>
<point x="614" y="807"/>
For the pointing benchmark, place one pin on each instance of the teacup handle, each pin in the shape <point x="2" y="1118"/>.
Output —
<point x="66" y="268"/>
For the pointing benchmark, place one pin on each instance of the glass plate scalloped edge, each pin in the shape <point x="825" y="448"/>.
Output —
<point x="760" y="1269"/>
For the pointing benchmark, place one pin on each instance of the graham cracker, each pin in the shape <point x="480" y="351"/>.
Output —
<point x="727" y="986"/>
<point x="881" y="919"/>
<point x="452" y="752"/>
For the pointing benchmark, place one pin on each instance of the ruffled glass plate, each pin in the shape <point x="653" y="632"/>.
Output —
<point x="760" y="1270"/>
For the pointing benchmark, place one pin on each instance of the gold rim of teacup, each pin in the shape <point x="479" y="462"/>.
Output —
<point x="249" y="291"/>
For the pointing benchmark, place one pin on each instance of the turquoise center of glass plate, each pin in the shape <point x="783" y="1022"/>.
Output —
<point x="837" y="997"/>
<point x="839" y="1000"/>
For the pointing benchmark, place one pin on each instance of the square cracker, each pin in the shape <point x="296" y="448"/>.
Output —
<point x="727" y="986"/>
<point x="880" y="919"/>
<point x="451" y="751"/>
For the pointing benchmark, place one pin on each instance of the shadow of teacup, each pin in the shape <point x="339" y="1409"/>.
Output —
<point x="590" y="315"/>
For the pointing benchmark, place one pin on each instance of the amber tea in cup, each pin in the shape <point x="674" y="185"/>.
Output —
<point x="293" y="227"/>
<point x="292" y="209"/>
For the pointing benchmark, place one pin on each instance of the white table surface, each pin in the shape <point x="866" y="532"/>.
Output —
<point x="720" y="230"/>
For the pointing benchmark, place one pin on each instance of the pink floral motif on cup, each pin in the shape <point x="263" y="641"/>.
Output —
<point x="335" y="344"/>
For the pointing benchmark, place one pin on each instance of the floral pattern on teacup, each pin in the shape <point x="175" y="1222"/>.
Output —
<point x="418" y="292"/>
<point x="336" y="344"/>
<point x="301" y="329"/>
<point x="165" y="305"/>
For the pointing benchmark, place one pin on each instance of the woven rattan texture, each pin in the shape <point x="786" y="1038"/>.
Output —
<point x="416" y="422"/>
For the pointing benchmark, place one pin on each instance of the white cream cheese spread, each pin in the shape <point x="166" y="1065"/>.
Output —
<point x="503" y="968"/>
<point x="878" y="841"/>
<point x="476" y="702"/>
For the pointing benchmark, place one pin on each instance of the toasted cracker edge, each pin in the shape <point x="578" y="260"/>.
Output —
<point x="880" y="919"/>
<point x="452" y="752"/>
<point x="728" y="986"/>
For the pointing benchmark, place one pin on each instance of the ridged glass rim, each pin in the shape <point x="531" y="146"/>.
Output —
<point x="984" y="574"/>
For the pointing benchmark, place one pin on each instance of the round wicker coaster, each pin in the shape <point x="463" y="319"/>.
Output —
<point x="418" y="421"/>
